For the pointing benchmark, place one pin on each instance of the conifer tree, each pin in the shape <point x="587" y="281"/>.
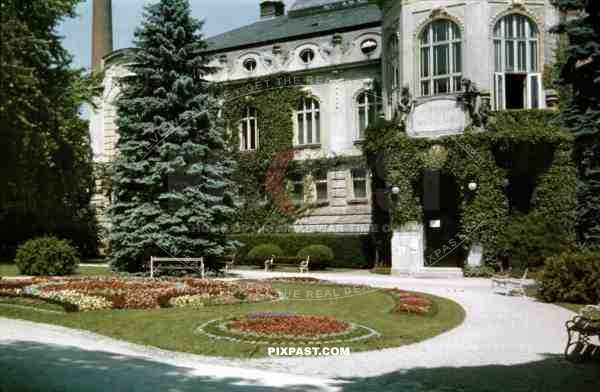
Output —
<point x="580" y="72"/>
<point x="172" y="188"/>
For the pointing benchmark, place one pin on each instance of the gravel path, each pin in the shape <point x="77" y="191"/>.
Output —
<point x="505" y="344"/>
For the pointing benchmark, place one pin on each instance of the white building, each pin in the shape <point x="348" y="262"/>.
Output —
<point x="417" y="51"/>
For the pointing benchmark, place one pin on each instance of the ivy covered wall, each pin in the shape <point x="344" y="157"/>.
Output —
<point x="275" y="110"/>
<point x="487" y="158"/>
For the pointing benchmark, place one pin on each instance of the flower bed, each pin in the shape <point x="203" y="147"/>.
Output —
<point x="410" y="302"/>
<point x="87" y="293"/>
<point x="285" y="328"/>
<point x="296" y="279"/>
<point x="287" y="325"/>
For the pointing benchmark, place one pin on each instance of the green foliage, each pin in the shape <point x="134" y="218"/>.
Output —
<point x="483" y="271"/>
<point x="527" y="241"/>
<point x="260" y="253"/>
<point x="320" y="256"/>
<point x="45" y="154"/>
<point x="350" y="250"/>
<point x="46" y="256"/>
<point x="172" y="182"/>
<point x="275" y="108"/>
<point x="487" y="158"/>
<point x="572" y="277"/>
<point x="580" y="114"/>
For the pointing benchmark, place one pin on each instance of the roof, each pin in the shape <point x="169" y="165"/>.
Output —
<point x="306" y="18"/>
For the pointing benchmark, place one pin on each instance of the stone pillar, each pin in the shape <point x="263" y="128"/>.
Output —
<point x="408" y="246"/>
<point x="102" y="38"/>
<point x="475" y="255"/>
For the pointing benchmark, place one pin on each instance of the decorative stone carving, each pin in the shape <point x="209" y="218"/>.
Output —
<point x="473" y="102"/>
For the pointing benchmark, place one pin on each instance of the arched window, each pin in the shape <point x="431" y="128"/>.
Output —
<point x="249" y="129"/>
<point x="441" y="58"/>
<point x="308" y="121"/>
<point x="368" y="105"/>
<point x="516" y="56"/>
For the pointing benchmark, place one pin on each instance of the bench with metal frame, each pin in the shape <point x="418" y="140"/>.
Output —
<point x="581" y="333"/>
<point x="302" y="265"/>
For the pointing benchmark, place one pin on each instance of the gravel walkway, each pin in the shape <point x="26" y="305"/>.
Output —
<point x="505" y="344"/>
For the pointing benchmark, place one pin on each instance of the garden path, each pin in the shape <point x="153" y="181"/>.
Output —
<point x="505" y="343"/>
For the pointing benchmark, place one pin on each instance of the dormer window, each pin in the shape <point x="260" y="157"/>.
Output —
<point x="307" y="56"/>
<point x="368" y="46"/>
<point x="250" y="65"/>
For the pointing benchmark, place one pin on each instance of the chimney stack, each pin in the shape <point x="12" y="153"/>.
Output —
<point x="102" y="37"/>
<point x="271" y="9"/>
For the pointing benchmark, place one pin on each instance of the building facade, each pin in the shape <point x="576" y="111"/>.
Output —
<point x="403" y="59"/>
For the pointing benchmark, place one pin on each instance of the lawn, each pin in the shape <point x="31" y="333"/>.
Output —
<point x="12" y="270"/>
<point x="174" y="328"/>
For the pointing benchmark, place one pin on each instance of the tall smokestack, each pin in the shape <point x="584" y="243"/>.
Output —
<point x="102" y="39"/>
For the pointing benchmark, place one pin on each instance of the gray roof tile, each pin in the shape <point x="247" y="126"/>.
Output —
<point x="294" y="26"/>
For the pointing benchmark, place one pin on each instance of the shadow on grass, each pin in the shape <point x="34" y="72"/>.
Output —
<point x="552" y="374"/>
<point x="29" y="366"/>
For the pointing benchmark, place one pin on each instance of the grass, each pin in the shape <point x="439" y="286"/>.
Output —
<point x="173" y="329"/>
<point x="12" y="270"/>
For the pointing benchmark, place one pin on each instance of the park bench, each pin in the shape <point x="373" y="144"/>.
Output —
<point x="158" y="264"/>
<point x="583" y="332"/>
<point x="293" y="262"/>
<point x="227" y="261"/>
<point x="509" y="285"/>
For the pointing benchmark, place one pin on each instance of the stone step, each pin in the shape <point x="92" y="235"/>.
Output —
<point x="440" y="272"/>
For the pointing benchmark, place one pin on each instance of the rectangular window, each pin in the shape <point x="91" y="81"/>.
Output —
<point x="510" y="55"/>
<point x="522" y="53"/>
<point x="300" y="128"/>
<point x="533" y="56"/>
<point x="425" y="88"/>
<point x="440" y="59"/>
<point x="298" y="185"/>
<point x="359" y="183"/>
<point x="309" y="130"/>
<point x="425" y="62"/>
<point x="498" y="57"/>
<point x="442" y="85"/>
<point x="362" y="121"/>
<point x="321" y="186"/>
<point x="456" y="57"/>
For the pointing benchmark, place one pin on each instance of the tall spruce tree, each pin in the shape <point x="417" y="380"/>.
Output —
<point x="171" y="182"/>
<point x="580" y="72"/>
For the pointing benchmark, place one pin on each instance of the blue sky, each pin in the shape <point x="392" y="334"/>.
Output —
<point x="219" y="16"/>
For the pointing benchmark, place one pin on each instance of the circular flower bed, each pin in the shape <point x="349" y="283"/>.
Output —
<point x="279" y="327"/>
<point x="129" y="293"/>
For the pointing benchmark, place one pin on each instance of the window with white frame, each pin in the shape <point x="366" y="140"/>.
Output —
<point x="321" y="186"/>
<point x="249" y="129"/>
<point x="441" y="58"/>
<point x="517" y="79"/>
<point x="359" y="183"/>
<point x="298" y="189"/>
<point x="308" y="121"/>
<point x="368" y="105"/>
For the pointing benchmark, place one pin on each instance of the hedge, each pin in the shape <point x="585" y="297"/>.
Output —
<point x="350" y="250"/>
<point x="572" y="277"/>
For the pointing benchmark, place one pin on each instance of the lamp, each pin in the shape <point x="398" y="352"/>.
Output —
<point x="472" y="186"/>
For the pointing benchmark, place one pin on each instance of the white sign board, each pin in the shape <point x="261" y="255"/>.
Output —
<point x="437" y="117"/>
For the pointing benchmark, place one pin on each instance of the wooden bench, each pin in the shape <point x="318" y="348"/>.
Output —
<point x="509" y="285"/>
<point x="301" y="264"/>
<point x="158" y="264"/>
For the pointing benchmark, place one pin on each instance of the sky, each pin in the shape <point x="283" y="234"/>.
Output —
<point x="219" y="16"/>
